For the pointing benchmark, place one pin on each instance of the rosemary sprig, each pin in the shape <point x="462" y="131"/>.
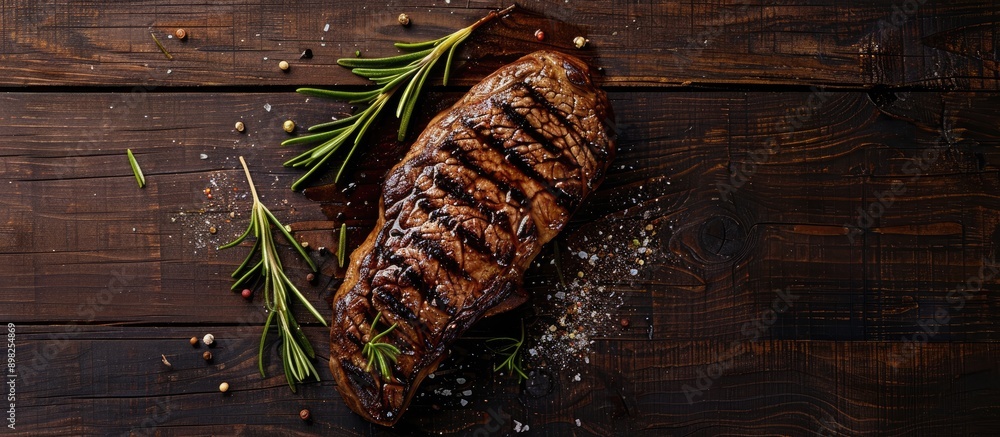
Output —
<point x="514" y="362"/>
<point x="139" y="178"/>
<point x="390" y="73"/>
<point x="296" y="350"/>
<point x="380" y="353"/>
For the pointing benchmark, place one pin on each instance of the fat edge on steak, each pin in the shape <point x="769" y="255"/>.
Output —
<point x="462" y="216"/>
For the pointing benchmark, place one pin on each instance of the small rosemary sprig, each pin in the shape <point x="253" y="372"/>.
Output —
<point x="296" y="350"/>
<point x="139" y="178"/>
<point x="390" y="73"/>
<point x="512" y="350"/>
<point x="380" y="353"/>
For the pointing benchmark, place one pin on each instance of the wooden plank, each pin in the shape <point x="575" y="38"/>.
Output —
<point x="111" y="381"/>
<point x="936" y="45"/>
<point x="87" y="246"/>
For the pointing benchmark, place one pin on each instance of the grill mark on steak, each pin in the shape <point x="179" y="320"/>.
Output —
<point x="485" y="136"/>
<point x="550" y="107"/>
<point x="415" y="280"/>
<point x="412" y="276"/>
<point x="433" y="249"/>
<point x="457" y="192"/>
<point x="460" y="154"/>
<point x="454" y="189"/>
<point x="472" y="239"/>
<point x="536" y="127"/>
<point x="385" y="296"/>
<point x="535" y="134"/>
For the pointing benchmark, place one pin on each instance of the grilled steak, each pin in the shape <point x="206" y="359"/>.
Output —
<point x="462" y="216"/>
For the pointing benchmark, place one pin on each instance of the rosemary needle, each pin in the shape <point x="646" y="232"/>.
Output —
<point x="408" y="72"/>
<point x="342" y="245"/>
<point x="296" y="350"/>
<point x="160" y="45"/>
<point x="135" y="168"/>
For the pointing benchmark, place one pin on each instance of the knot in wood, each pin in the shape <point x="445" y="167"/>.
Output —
<point x="722" y="236"/>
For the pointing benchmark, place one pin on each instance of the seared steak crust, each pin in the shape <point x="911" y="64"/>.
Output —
<point x="462" y="216"/>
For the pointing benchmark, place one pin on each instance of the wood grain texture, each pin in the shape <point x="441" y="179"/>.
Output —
<point x="771" y="266"/>
<point x="798" y="236"/>
<point x="631" y="387"/>
<point x="925" y="44"/>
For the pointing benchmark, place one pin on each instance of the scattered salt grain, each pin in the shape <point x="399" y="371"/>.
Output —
<point x="464" y="402"/>
<point x="327" y="27"/>
<point x="203" y="156"/>
<point x="460" y="380"/>
<point x="267" y="107"/>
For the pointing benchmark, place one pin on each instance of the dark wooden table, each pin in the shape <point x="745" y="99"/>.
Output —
<point x="798" y="237"/>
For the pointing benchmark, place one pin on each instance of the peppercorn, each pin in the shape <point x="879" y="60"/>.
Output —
<point x="288" y="126"/>
<point x="208" y="339"/>
<point x="580" y="42"/>
<point x="625" y="322"/>
<point x="240" y="126"/>
<point x="207" y="355"/>
<point x="212" y="230"/>
<point x="283" y="65"/>
<point x="404" y="20"/>
<point x="304" y="414"/>
<point x="194" y="341"/>
<point x="180" y="33"/>
<point x="540" y="35"/>
<point x="311" y="278"/>
<point x="224" y="387"/>
<point x="247" y="293"/>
